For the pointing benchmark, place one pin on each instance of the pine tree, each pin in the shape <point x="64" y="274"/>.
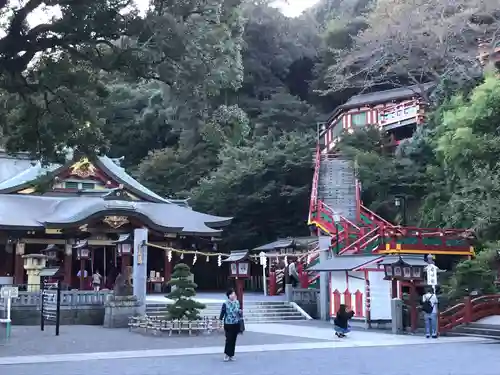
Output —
<point x="182" y="292"/>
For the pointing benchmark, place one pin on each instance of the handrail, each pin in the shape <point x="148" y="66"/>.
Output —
<point x="378" y="217"/>
<point x="342" y="218"/>
<point x="469" y="311"/>
<point x="314" y="189"/>
<point x="365" y="244"/>
<point x="359" y="240"/>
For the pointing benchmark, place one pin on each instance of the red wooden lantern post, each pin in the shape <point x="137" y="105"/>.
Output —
<point x="239" y="270"/>
<point x="83" y="254"/>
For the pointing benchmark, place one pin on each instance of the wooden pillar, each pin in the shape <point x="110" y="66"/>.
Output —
<point x="19" y="264"/>
<point x="125" y="264"/>
<point x="413" y="306"/>
<point x="9" y="261"/>
<point x="82" y="274"/>
<point x="239" y="290"/>
<point x="68" y="264"/>
<point x="394" y="289"/>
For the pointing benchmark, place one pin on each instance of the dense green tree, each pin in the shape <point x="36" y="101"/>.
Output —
<point x="265" y="186"/>
<point x="51" y="73"/>
<point x="183" y="291"/>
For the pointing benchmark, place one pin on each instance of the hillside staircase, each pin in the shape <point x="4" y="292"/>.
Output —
<point x="254" y="311"/>
<point x="336" y="210"/>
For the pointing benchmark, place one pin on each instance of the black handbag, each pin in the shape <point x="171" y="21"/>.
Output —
<point x="242" y="325"/>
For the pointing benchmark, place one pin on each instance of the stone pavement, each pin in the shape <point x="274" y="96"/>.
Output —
<point x="29" y="340"/>
<point x="302" y="349"/>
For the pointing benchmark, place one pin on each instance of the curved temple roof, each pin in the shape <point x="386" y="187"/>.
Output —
<point x="37" y="212"/>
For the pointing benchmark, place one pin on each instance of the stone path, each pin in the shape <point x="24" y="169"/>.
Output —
<point x="89" y="339"/>
<point x="446" y="359"/>
<point x="84" y="343"/>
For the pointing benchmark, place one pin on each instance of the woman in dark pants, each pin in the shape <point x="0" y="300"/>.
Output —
<point x="231" y="314"/>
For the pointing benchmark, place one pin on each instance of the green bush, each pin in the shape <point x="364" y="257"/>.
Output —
<point x="183" y="291"/>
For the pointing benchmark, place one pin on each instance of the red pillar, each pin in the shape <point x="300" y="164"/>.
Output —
<point x="468" y="310"/>
<point x="413" y="307"/>
<point x="303" y="276"/>
<point x="272" y="283"/>
<point x="394" y="289"/>
<point x="239" y="290"/>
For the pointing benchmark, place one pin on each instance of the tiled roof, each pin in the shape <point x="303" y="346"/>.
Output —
<point x="16" y="172"/>
<point x="31" y="211"/>
<point x="345" y="262"/>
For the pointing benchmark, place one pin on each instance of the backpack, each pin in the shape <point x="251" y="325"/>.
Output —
<point x="427" y="306"/>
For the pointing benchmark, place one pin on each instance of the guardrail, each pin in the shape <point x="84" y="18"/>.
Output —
<point x="469" y="311"/>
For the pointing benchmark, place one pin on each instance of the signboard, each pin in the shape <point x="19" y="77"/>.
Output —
<point x="243" y="269"/>
<point x="432" y="275"/>
<point x="234" y="269"/>
<point x="9" y="292"/>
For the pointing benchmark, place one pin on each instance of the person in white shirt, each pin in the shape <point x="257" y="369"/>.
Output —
<point x="293" y="274"/>
<point x="96" y="280"/>
<point x="430" y="309"/>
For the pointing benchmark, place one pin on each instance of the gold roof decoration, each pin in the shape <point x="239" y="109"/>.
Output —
<point x="116" y="222"/>
<point x="83" y="168"/>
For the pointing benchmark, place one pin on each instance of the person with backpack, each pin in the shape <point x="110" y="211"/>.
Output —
<point x="232" y="316"/>
<point x="430" y="309"/>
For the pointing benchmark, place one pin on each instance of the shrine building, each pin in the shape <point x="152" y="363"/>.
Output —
<point x="81" y="214"/>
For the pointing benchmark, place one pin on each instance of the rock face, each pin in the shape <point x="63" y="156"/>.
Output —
<point x="118" y="310"/>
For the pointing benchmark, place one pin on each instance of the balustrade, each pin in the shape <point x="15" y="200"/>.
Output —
<point x="68" y="298"/>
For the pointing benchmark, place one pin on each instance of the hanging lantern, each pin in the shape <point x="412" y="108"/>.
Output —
<point x="195" y="258"/>
<point x="169" y="255"/>
<point x="182" y="255"/>
<point x="286" y="260"/>
<point x="208" y="258"/>
<point x="308" y="260"/>
<point x="219" y="260"/>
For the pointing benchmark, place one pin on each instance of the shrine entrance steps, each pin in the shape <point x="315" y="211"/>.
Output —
<point x="488" y="327"/>
<point x="254" y="311"/>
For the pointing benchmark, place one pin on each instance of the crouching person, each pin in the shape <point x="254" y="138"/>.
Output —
<point x="341" y="322"/>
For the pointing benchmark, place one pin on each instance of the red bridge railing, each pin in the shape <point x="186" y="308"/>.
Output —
<point x="469" y="311"/>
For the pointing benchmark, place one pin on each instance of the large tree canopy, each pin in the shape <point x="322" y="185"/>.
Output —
<point x="218" y="101"/>
<point x="51" y="73"/>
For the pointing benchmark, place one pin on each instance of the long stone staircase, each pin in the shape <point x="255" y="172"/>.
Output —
<point x="254" y="311"/>
<point x="337" y="186"/>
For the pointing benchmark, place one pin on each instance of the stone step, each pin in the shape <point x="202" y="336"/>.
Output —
<point x="486" y="332"/>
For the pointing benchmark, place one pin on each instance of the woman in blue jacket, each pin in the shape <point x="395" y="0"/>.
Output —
<point x="232" y="316"/>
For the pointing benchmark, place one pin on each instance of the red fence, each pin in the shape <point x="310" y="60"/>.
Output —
<point x="469" y="311"/>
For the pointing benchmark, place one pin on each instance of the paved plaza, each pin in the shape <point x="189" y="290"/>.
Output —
<point x="274" y="349"/>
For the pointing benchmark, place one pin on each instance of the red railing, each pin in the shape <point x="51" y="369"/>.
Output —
<point x="469" y="311"/>
<point x="358" y="244"/>
<point x="314" y="189"/>
<point x="373" y="216"/>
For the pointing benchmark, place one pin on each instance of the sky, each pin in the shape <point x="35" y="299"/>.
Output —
<point x="290" y="8"/>
<point x="293" y="8"/>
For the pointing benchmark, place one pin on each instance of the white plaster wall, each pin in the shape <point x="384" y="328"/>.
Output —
<point x="380" y="295"/>
<point x="354" y="282"/>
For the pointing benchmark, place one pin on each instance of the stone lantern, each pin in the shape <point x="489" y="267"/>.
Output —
<point x="33" y="264"/>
